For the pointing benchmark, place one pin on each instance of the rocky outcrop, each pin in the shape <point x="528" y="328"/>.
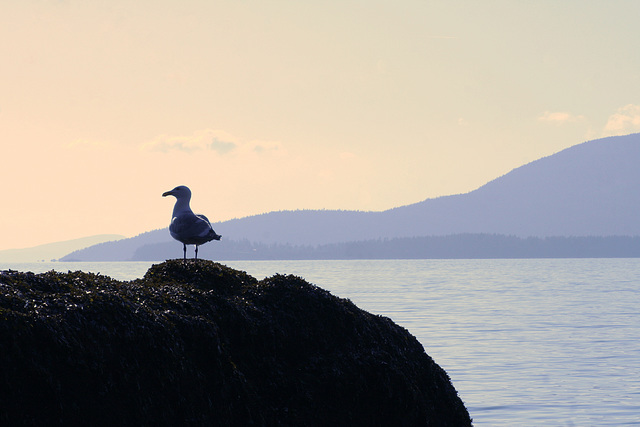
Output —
<point x="198" y="343"/>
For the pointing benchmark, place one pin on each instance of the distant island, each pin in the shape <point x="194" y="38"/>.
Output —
<point x="461" y="246"/>
<point x="580" y="202"/>
<point x="53" y="251"/>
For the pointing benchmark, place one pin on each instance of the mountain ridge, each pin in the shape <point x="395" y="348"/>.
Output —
<point x="589" y="189"/>
<point x="54" y="250"/>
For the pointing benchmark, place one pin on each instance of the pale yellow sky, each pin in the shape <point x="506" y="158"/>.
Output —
<point x="261" y="106"/>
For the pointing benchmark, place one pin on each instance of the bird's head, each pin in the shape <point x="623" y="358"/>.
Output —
<point x="180" y="192"/>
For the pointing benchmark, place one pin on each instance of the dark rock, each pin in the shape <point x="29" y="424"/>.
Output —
<point x="198" y="343"/>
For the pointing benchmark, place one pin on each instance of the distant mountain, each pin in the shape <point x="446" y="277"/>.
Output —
<point x="121" y="250"/>
<point x="457" y="246"/>
<point x="591" y="189"/>
<point x="55" y="250"/>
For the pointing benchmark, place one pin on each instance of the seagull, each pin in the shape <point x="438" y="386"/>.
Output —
<point x="187" y="227"/>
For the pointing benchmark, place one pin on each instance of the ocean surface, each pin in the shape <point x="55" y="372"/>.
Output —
<point x="530" y="342"/>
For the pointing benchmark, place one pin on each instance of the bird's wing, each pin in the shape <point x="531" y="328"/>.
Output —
<point x="212" y="234"/>
<point x="204" y="218"/>
<point x="189" y="226"/>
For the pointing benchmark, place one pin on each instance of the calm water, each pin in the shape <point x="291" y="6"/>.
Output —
<point x="526" y="342"/>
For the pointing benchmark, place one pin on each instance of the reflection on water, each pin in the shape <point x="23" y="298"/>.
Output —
<point x="526" y="342"/>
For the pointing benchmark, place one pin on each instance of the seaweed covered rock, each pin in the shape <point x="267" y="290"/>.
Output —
<point x="198" y="343"/>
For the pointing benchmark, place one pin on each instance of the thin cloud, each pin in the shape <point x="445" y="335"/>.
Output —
<point x="625" y="120"/>
<point x="202" y="140"/>
<point x="560" y="117"/>
<point x="216" y="141"/>
<point x="222" y="147"/>
<point x="264" y="147"/>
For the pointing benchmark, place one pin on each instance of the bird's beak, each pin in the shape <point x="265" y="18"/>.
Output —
<point x="167" y="193"/>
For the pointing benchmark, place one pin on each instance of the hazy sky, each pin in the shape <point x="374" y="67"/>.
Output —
<point x="273" y="105"/>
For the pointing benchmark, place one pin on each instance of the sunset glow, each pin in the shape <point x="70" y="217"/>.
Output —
<point x="263" y="106"/>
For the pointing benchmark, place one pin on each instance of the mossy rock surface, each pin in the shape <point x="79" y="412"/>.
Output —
<point x="198" y="343"/>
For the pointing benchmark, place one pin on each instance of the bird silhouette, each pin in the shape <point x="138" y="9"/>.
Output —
<point x="187" y="227"/>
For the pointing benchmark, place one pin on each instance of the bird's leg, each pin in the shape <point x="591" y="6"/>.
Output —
<point x="196" y="252"/>
<point x="184" y="250"/>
